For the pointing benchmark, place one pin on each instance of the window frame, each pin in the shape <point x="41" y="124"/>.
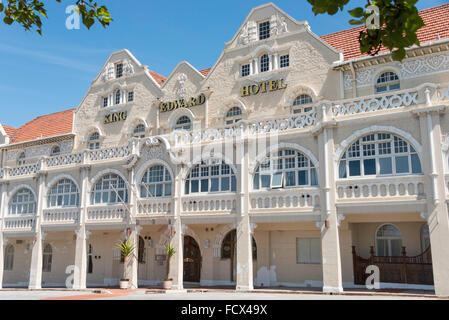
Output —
<point x="94" y="141"/>
<point x="183" y="125"/>
<point x="18" y="202"/>
<point x="119" y="70"/>
<point x="232" y="117"/>
<point x="386" y="80"/>
<point x="139" y="131"/>
<point x="388" y="240"/>
<point x="284" y="64"/>
<point x="310" y="255"/>
<point x="98" y="192"/>
<point x="47" y="258"/>
<point x="264" y="63"/>
<point x="245" y="70"/>
<point x="167" y="180"/>
<point x="63" y="195"/>
<point x="264" y="30"/>
<point x="198" y="174"/>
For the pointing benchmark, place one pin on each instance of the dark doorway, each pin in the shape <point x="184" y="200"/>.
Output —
<point x="192" y="260"/>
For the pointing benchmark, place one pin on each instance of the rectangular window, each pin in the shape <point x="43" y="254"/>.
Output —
<point x="256" y="181"/>
<point x="354" y="168"/>
<point x="369" y="166"/>
<point x="225" y="184"/>
<point x="266" y="180"/>
<point x="214" y="184"/>
<point x="290" y="179"/>
<point x="204" y="185"/>
<point x="105" y="102"/>
<point x="264" y="30"/>
<point x="303" y="178"/>
<point x="308" y="250"/>
<point x="285" y="61"/>
<point x="245" y="70"/>
<point x="342" y="169"/>
<point x="119" y="70"/>
<point x="130" y="96"/>
<point x="195" y="186"/>
<point x="385" y="166"/>
<point x="416" y="164"/>
<point x="277" y="180"/>
<point x="402" y="164"/>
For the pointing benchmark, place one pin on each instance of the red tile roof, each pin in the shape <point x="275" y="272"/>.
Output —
<point x="9" y="130"/>
<point x="436" y="21"/>
<point x="157" y="77"/>
<point x="44" y="126"/>
<point x="205" y="72"/>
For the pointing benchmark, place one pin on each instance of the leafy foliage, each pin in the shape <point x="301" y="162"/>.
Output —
<point x="170" y="250"/>
<point x="27" y="13"/>
<point x="126" y="248"/>
<point x="399" y="22"/>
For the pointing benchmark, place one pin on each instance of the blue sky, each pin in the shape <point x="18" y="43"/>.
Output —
<point x="50" y="73"/>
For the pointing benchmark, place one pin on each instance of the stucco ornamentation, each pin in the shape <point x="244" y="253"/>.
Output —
<point x="128" y="68"/>
<point x="155" y="153"/>
<point x="182" y="91"/>
<point x="108" y="73"/>
<point x="278" y="25"/>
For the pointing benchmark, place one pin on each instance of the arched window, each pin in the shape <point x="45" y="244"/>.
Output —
<point x="118" y="97"/>
<point x="388" y="241"/>
<point x="56" y="151"/>
<point x="139" y="131"/>
<point x="47" y="258"/>
<point x="183" y="123"/>
<point x="110" y="189"/>
<point x="94" y="141"/>
<point x="234" y="115"/>
<point x="301" y="101"/>
<point x="63" y="194"/>
<point x="425" y="237"/>
<point x="9" y="258"/>
<point x="229" y="246"/>
<point x="141" y="253"/>
<point x="23" y="202"/>
<point x="285" y="168"/>
<point x="387" y="81"/>
<point x="156" y="182"/>
<point x="264" y="63"/>
<point x="211" y="176"/>
<point x="21" y="159"/>
<point x="379" y="154"/>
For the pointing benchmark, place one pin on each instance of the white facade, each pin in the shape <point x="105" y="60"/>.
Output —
<point x="318" y="155"/>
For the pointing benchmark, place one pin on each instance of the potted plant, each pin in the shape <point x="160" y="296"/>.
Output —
<point x="170" y="252"/>
<point x="126" y="248"/>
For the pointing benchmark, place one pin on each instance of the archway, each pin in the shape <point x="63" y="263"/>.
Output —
<point x="192" y="260"/>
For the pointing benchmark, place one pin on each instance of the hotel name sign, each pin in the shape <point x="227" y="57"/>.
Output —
<point x="115" y="117"/>
<point x="263" y="87"/>
<point x="182" y="103"/>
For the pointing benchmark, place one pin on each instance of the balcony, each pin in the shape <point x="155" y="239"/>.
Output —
<point x="154" y="207"/>
<point x="64" y="160"/>
<point x="23" y="223"/>
<point x="61" y="216"/>
<point x="285" y="200"/>
<point x="106" y="214"/>
<point x="209" y="204"/>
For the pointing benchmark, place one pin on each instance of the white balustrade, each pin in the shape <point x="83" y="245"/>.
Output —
<point x="381" y="188"/>
<point x="217" y="203"/>
<point x="19" y="223"/>
<point x="285" y="199"/>
<point x="24" y="170"/>
<point x="64" y="159"/>
<point x="390" y="100"/>
<point x="61" y="216"/>
<point x="157" y="206"/>
<point x="110" y="153"/>
<point x="116" y="213"/>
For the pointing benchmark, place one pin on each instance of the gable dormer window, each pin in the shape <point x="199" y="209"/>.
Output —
<point x="119" y="70"/>
<point x="264" y="30"/>
<point x="264" y="63"/>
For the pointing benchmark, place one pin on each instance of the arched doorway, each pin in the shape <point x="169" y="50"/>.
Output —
<point x="229" y="251"/>
<point x="192" y="260"/>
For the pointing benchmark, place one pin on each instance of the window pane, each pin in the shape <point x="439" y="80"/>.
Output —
<point x="290" y="179"/>
<point x="233" y="183"/>
<point x="168" y="190"/>
<point x="402" y="164"/>
<point x="225" y="184"/>
<point x="187" y="189"/>
<point x="416" y="164"/>
<point x="277" y="180"/>
<point x="195" y="186"/>
<point x="354" y="168"/>
<point x="204" y="185"/>
<point x="385" y="165"/>
<point x="266" y="180"/>
<point x="369" y="166"/>
<point x="342" y="169"/>
<point x="303" y="178"/>
<point x="314" y="178"/>
<point x="215" y="184"/>
<point x="256" y="181"/>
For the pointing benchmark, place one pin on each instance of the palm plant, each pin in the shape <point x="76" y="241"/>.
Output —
<point x="126" y="248"/>
<point x="170" y="252"/>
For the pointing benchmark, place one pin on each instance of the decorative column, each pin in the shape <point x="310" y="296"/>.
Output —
<point x="437" y="210"/>
<point x="245" y="279"/>
<point x="275" y="61"/>
<point x="330" y="242"/>
<point x="36" y="254"/>
<point x="256" y="66"/>
<point x="82" y="235"/>
<point x="177" y="235"/>
<point x="3" y="240"/>
<point x="133" y="267"/>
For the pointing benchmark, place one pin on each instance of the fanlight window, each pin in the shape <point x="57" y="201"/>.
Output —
<point x="300" y="101"/>
<point x="283" y="169"/>
<point x="379" y="154"/>
<point x="23" y="202"/>
<point x="388" y="241"/>
<point x="139" y="131"/>
<point x="183" y="123"/>
<point x="156" y="182"/>
<point x="110" y="189"/>
<point x="63" y="194"/>
<point x="94" y="141"/>
<point x="388" y="81"/>
<point x="55" y="151"/>
<point x="234" y="115"/>
<point x="211" y="176"/>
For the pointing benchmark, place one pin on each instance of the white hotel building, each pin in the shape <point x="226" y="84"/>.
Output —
<point x="297" y="163"/>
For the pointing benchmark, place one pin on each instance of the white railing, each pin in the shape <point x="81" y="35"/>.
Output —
<point x="110" y="153"/>
<point x="61" y="216"/>
<point x="217" y="203"/>
<point x="24" y="170"/>
<point x="23" y="223"/>
<point x="390" y="100"/>
<point x="285" y="199"/>
<point x="64" y="159"/>
<point x="116" y="213"/>
<point x="157" y="206"/>
<point x="380" y="188"/>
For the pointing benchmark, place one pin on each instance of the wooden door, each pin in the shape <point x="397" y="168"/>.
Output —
<point x="192" y="260"/>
